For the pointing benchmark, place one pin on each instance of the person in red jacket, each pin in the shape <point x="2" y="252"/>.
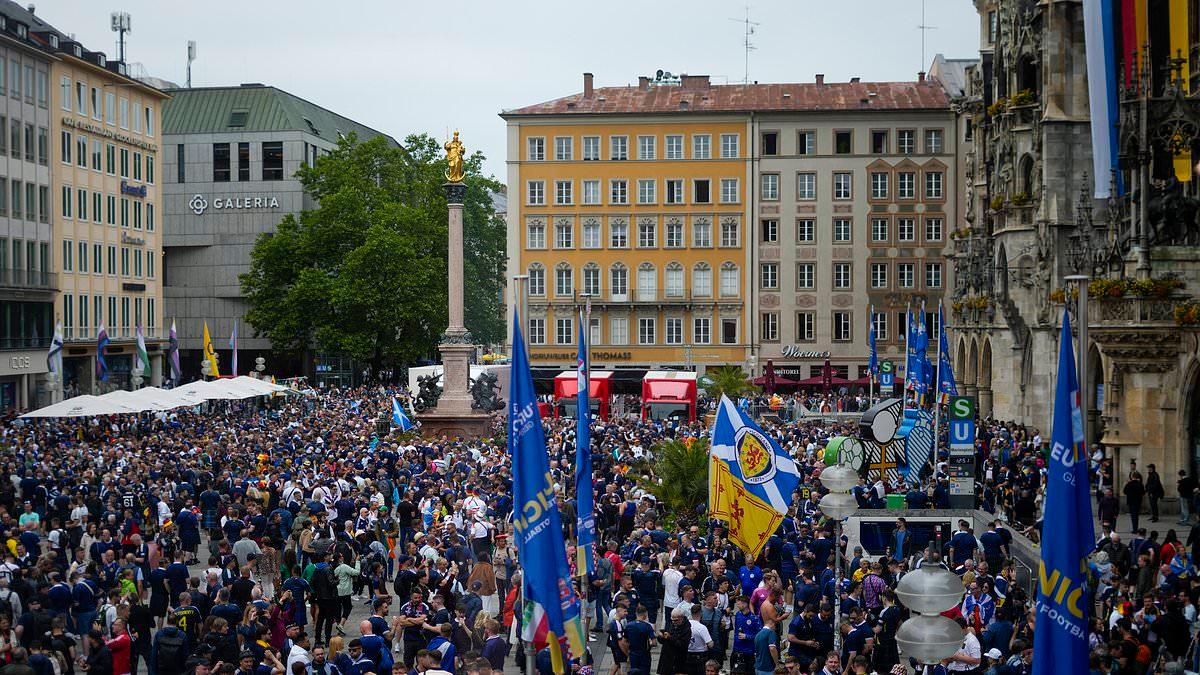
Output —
<point x="120" y="646"/>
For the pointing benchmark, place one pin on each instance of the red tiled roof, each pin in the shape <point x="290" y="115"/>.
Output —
<point x="730" y="98"/>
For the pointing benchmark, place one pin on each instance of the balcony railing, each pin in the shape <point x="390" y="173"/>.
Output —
<point x="636" y="296"/>
<point x="1133" y="311"/>
<point x="24" y="342"/>
<point x="88" y="333"/>
<point x="28" y="279"/>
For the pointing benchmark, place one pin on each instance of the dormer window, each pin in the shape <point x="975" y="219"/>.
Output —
<point x="237" y="118"/>
<point x="22" y="30"/>
<point x="3" y="22"/>
<point x="78" y="50"/>
<point x="101" y="60"/>
<point x="54" y="41"/>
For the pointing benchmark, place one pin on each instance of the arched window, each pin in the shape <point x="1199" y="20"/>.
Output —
<point x="564" y="281"/>
<point x="591" y="279"/>
<point x="729" y="281"/>
<point x="537" y="280"/>
<point x="647" y="282"/>
<point x="673" y="280"/>
<point x="618" y="282"/>
<point x="702" y="281"/>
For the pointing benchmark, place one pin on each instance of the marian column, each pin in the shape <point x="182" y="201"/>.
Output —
<point x="456" y="346"/>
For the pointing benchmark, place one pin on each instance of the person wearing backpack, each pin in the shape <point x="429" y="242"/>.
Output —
<point x="329" y="608"/>
<point x="169" y="651"/>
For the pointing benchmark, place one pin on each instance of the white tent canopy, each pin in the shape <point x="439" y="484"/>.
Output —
<point x="84" y="406"/>
<point x="155" y="399"/>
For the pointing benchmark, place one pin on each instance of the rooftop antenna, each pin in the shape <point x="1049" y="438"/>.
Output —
<point x="191" y="52"/>
<point x="746" y="42"/>
<point x="121" y="26"/>
<point x="923" y="28"/>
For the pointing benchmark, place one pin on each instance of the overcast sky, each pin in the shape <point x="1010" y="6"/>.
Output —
<point x="403" y="67"/>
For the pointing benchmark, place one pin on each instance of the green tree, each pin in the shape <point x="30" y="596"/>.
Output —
<point x="731" y="381"/>
<point x="680" y="480"/>
<point x="364" y="272"/>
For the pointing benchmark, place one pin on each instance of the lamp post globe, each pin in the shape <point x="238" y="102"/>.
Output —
<point x="929" y="639"/>
<point x="930" y="590"/>
<point x="838" y="478"/>
<point x="838" y="505"/>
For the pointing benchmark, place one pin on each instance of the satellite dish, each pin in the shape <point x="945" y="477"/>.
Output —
<point x="666" y="75"/>
<point x="658" y="74"/>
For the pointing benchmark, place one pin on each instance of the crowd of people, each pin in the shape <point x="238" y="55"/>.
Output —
<point x="299" y="537"/>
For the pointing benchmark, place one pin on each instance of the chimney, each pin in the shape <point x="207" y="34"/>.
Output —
<point x="30" y="8"/>
<point x="695" y="81"/>
<point x="921" y="76"/>
<point x="587" y="85"/>
<point x="643" y="83"/>
<point x="854" y="80"/>
<point x="820" y="78"/>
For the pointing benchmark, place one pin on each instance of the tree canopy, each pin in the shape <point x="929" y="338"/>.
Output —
<point x="364" y="272"/>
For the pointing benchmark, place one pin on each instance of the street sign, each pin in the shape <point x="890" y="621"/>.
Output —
<point x="962" y="423"/>
<point x="887" y="374"/>
<point x="961" y="465"/>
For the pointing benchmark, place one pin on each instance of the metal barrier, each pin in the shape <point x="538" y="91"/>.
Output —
<point x="1025" y="577"/>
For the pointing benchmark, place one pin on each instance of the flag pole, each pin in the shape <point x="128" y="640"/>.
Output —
<point x="907" y="354"/>
<point x="871" y="373"/>
<point x="937" y="396"/>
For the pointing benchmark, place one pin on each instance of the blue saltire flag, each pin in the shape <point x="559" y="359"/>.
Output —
<point x="585" y="525"/>
<point x="398" y="417"/>
<point x="537" y="521"/>
<point x="873" y="362"/>
<point x="947" y="387"/>
<point x="101" y="347"/>
<point x="1060" y="644"/>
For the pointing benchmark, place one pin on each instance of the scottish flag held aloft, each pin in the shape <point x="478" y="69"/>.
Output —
<point x="399" y="419"/>
<point x="1060" y="644"/>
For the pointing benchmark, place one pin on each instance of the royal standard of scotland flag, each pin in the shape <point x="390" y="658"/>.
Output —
<point x="751" y="479"/>
<point x="946" y="384"/>
<point x="585" y="508"/>
<point x="398" y="417"/>
<point x="537" y="522"/>
<point x="1060" y="644"/>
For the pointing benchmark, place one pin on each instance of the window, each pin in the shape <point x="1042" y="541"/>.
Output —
<point x="646" y="190"/>
<point x="647" y="282"/>
<point x="30" y="214"/>
<point x="96" y="103"/>
<point x="564" y="281"/>
<point x="770" y="187"/>
<point x="701" y="146"/>
<point x="843" y="275"/>
<point x="124" y="212"/>
<point x="67" y="200"/>
<point x="701" y="330"/>
<point x="879" y="185"/>
<point x="536" y="192"/>
<point x="137" y="215"/>
<point x="879" y="275"/>
<point x="149" y="263"/>
<point x="645" y="330"/>
<point x="805" y="326"/>
<point x="112" y="272"/>
<point x="29" y="144"/>
<point x="111" y="210"/>
<point x="879" y="321"/>
<point x="68" y="254"/>
<point x="564" y="233"/>
<point x="906" y="141"/>
<point x="805" y="276"/>
<point x="220" y="162"/>
<point x="729" y="331"/>
<point x="124" y="261"/>
<point x="729" y="281"/>
<point x="906" y="185"/>
<point x="806" y="186"/>
<point x="674" y="233"/>
<point x="879" y="142"/>
<point x="806" y="230"/>
<point x="843" y="230"/>
<point x="180" y="166"/>
<point x="770" y="231"/>
<point x="806" y="142"/>
<point x="933" y="229"/>
<point x="592" y="192"/>
<point x="150" y="217"/>
<point x="537" y="281"/>
<point x="591" y="148"/>
<point x="992" y="27"/>
<point x="770" y="143"/>
<point x="65" y="150"/>
<point x="729" y="233"/>
<point x="137" y="263"/>
<point x="43" y="88"/>
<point x="674" y="190"/>
<point x="97" y="149"/>
<point x="14" y="80"/>
<point x="841" y="327"/>
<point x="564" y="331"/>
<point x="83" y="256"/>
<point x="673" y="280"/>
<point x="933" y="184"/>
<point x="933" y="275"/>
<point x="701" y="191"/>
<point x="646" y="147"/>
<point x="729" y="191"/>
<point x="535" y="234"/>
<point x="618" y="147"/>
<point x="702" y="281"/>
<point x="563" y="192"/>
<point x="618" y="192"/>
<point x="124" y="163"/>
<point x="769" y="276"/>
<point x="729" y="146"/>
<point x="701" y="233"/>
<point x="272" y="160"/>
<point x="43" y="145"/>
<point x="618" y="330"/>
<point x="563" y="148"/>
<point x="904" y="275"/>
<point x="14" y="138"/>
<point x="591" y="233"/>
<point x="618" y="278"/>
<point x="674" y="147"/>
<point x="81" y="204"/>
<point x="906" y="229"/>
<point x="879" y="229"/>
<point x="81" y="98"/>
<point x="618" y="233"/>
<point x="536" y="149"/>
<point x="98" y="211"/>
<point x="243" y="163"/>
<point x="124" y="113"/>
<point x="843" y="142"/>
<point x="111" y="159"/>
<point x="769" y="324"/>
<point x="64" y="92"/>
<point x="647" y="233"/>
<point x="933" y="141"/>
<point x="537" y="331"/>
<point x="149" y="112"/>
<point x="97" y="260"/>
<point x="16" y="200"/>
<point x="591" y="279"/>
<point x="843" y="185"/>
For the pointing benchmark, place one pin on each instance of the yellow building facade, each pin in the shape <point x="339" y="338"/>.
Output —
<point x="643" y="216"/>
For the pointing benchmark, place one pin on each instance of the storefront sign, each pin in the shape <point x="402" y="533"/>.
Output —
<point x="572" y="356"/>
<point x="127" y="238"/>
<point x="23" y="363"/>
<point x="98" y="130"/>
<point x="199" y="203"/>
<point x="133" y="190"/>
<point x="795" y="352"/>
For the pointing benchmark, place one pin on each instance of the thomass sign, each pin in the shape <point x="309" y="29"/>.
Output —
<point x="199" y="204"/>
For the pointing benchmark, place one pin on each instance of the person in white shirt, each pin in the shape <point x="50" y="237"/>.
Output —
<point x="701" y="641"/>
<point x="969" y="656"/>
<point x="299" y="652"/>
<point x="670" y="581"/>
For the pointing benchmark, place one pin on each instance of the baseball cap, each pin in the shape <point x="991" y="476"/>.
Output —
<point x="993" y="653"/>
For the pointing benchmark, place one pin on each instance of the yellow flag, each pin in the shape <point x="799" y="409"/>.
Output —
<point x="751" y="520"/>
<point x="210" y="354"/>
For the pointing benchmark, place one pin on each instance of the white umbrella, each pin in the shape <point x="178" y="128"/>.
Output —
<point x="84" y="406"/>
<point x="149" y="398"/>
<point x="199" y="390"/>
<point x="260" y="386"/>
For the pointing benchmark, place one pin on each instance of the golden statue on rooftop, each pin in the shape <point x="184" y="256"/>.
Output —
<point x="455" y="153"/>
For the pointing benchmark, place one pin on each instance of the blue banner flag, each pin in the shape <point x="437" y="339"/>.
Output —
<point x="912" y="363"/>
<point x="101" y="350"/>
<point x="585" y="508"/>
<point x="873" y="362"/>
<point x="947" y="387"/>
<point x="536" y="520"/>
<point x="399" y="418"/>
<point x="1060" y="644"/>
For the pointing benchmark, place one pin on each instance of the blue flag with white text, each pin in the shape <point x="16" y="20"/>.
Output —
<point x="585" y="507"/>
<point x="1060" y="644"/>
<point x="399" y="418"/>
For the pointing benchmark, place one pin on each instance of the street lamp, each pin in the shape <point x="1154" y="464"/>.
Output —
<point x="929" y="637"/>
<point x="260" y="364"/>
<point x="839" y="504"/>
